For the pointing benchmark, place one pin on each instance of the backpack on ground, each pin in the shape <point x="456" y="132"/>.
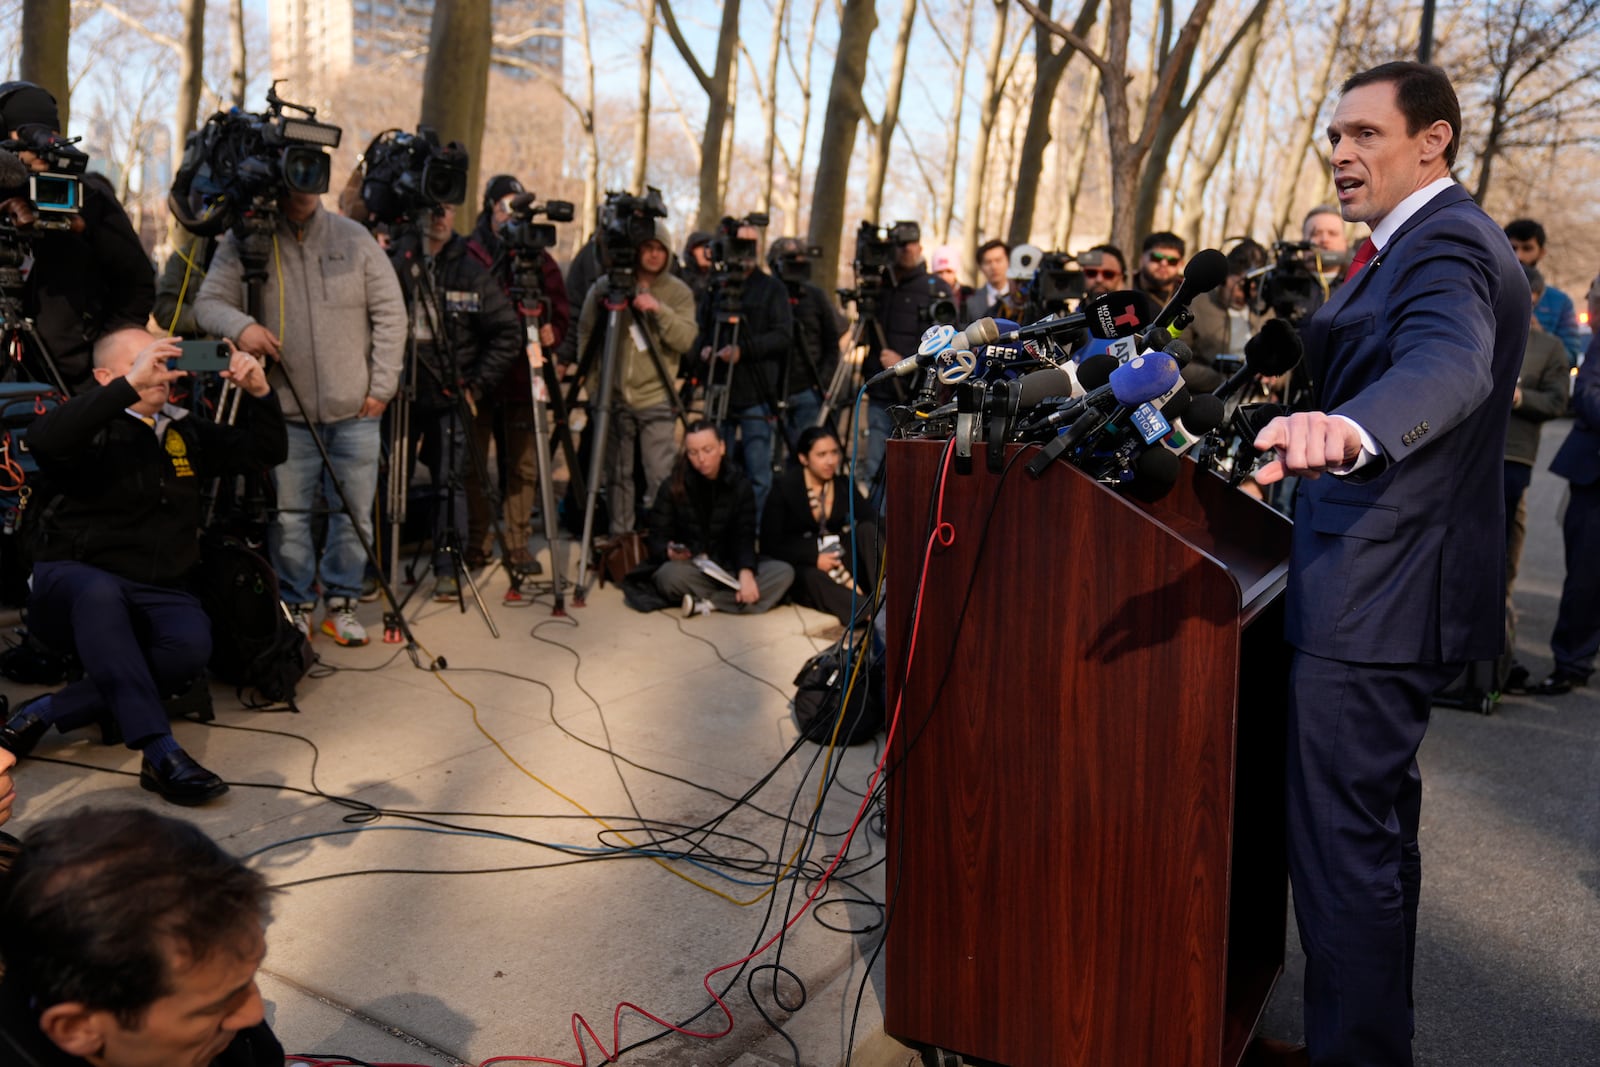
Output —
<point x="819" y="698"/>
<point x="254" y="644"/>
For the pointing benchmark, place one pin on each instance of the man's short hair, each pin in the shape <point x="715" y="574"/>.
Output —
<point x="988" y="246"/>
<point x="1164" y="239"/>
<point x="98" y="903"/>
<point x="1320" y="209"/>
<point x="1422" y="92"/>
<point x="1113" y="250"/>
<point x="1246" y="256"/>
<point x="1525" y="230"/>
<point x="108" y="344"/>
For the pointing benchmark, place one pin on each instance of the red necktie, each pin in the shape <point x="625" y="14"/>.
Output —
<point x="1363" y="256"/>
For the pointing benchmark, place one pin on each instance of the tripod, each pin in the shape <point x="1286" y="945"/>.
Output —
<point x="22" y="343"/>
<point x="427" y="317"/>
<point x="621" y="288"/>
<point x="255" y="231"/>
<point x="848" y="375"/>
<point x="802" y="345"/>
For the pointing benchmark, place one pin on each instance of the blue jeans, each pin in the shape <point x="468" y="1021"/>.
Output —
<point x="755" y="448"/>
<point x="804" y="407"/>
<point x="353" y="454"/>
<point x="879" y="425"/>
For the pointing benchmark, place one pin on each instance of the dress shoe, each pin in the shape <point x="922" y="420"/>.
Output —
<point x="23" y="730"/>
<point x="1556" y="684"/>
<point x="1516" y="679"/>
<point x="1270" y="1052"/>
<point x="178" y="778"/>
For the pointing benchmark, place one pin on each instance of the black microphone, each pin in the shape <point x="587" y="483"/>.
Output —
<point x="1108" y="317"/>
<point x="1203" y="273"/>
<point x="1093" y="374"/>
<point x="1155" y="472"/>
<point x="1275" y="349"/>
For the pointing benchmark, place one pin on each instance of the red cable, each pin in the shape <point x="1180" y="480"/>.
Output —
<point x="943" y="535"/>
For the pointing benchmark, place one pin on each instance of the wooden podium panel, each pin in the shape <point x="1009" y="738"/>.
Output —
<point x="1085" y="813"/>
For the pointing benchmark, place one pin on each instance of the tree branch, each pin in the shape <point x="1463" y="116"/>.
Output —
<point x="670" y="20"/>
<point x="1083" y="47"/>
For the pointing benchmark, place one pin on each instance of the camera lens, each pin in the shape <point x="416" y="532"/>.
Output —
<point x="305" y="170"/>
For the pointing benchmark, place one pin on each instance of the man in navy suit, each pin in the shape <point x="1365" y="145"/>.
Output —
<point x="1397" y="573"/>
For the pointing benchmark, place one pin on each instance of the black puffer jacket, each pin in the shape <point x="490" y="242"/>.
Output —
<point x="129" y="503"/>
<point x="481" y="330"/>
<point x="766" y="334"/>
<point x="714" y="517"/>
<point x="817" y="327"/>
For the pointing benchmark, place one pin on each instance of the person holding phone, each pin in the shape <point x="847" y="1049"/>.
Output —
<point x="117" y="546"/>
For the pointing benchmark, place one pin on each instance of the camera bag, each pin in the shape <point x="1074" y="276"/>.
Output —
<point x="819" y="699"/>
<point x="254" y="645"/>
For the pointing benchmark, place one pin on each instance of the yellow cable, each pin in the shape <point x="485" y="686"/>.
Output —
<point x="188" y="270"/>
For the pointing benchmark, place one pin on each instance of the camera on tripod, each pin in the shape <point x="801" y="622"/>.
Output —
<point x="793" y="265"/>
<point x="1291" y="286"/>
<point x="1057" y="286"/>
<point x="626" y="222"/>
<point x="238" y="160"/>
<point x="407" y="175"/>
<point x="57" y="193"/>
<point x="876" y="250"/>
<point x="521" y="235"/>
<point x="732" y="254"/>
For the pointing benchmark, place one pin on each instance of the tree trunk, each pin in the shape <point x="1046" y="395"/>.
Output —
<point x="455" y="83"/>
<point x="798" y="169"/>
<point x="191" y="63"/>
<point x="641" y="136"/>
<point x="1308" y="128"/>
<point x="945" y="209"/>
<point x="988" y="105"/>
<point x="45" y="25"/>
<point x="1198" y="175"/>
<point x="878" y="161"/>
<point x="237" y="57"/>
<point x="725" y="167"/>
<point x="769" y="108"/>
<point x="857" y="20"/>
<point x="1049" y="66"/>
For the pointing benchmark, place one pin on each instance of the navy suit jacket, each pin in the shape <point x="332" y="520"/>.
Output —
<point x="1578" y="460"/>
<point x="1404" y="561"/>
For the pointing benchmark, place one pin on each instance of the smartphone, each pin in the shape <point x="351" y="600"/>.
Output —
<point x="202" y="357"/>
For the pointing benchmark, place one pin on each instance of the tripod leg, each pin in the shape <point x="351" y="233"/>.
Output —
<point x="601" y="410"/>
<point x="547" y="495"/>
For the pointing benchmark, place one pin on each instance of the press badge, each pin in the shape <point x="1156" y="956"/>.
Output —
<point x="637" y="334"/>
<point x="458" y="300"/>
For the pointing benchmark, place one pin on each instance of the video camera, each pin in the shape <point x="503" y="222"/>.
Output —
<point x="238" y="160"/>
<point x="1292" y="286"/>
<point x="732" y="254"/>
<point x="626" y="222"/>
<point x="57" y="193"/>
<point x="793" y="265"/>
<point x="409" y="174"/>
<point x="1057" y="286"/>
<point x="522" y="236"/>
<point x="876" y="250"/>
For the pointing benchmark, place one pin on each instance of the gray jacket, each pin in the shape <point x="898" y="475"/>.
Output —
<point x="341" y="321"/>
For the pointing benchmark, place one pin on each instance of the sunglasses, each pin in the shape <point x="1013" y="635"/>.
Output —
<point x="1098" y="272"/>
<point x="1164" y="257"/>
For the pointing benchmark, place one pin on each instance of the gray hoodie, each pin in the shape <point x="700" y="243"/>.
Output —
<point x="342" y="319"/>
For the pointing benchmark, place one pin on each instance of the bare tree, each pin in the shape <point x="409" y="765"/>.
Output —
<point x="1049" y="64"/>
<point x="45" y="28"/>
<point x="641" y="139"/>
<point x="1197" y="173"/>
<point x="455" y="83"/>
<point x="802" y="76"/>
<point x="857" y="20"/>
<point x="944" y="202"/>
<point x="716" y="84"/>
<point x="988" y="106"/>
<point x="237" y="56"/>
<point x="883" y="130"/>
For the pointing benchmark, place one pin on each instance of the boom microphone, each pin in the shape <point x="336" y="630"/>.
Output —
<point x="1203" y="273"/>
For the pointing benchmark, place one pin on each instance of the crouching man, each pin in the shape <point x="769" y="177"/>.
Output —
<point x="130" y="939"/>
<point x="117" y="545"/>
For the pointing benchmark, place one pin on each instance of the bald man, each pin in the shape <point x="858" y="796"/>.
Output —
<point x="117" y="545"/>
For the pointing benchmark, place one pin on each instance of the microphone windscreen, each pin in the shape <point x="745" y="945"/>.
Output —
<point x="1155" y="472"/>
<point x="1204" y="415"/>
<point x="983" y="332"/>
<point x="1096" y="370"/>
<point x="959" y="343"/>
<point x="522" y="202"/>
<point x="13" y="172"/>
<point x="935" y="338"/>
<point x="1275" y="349"/>
<point x="1178" y="351"/>
<point x="1177" y="405"/>
<point x="1118" y="314"/>
<point x="1206" y="270"/>
<point x="1041" y="384"/>
<point x="1143" y="378"/>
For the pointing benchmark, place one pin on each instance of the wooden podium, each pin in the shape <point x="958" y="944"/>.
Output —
<point x="1085" y="855"/>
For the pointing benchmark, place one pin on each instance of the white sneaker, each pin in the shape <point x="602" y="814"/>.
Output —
<point x="300" y="615"/>
<point x="693" y="607"/>
<point x="341" y="624"/>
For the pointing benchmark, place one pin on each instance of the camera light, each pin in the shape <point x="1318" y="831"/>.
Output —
<point x="308" y="132"/>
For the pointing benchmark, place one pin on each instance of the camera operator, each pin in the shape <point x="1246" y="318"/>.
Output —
<point x="1223" y="321"/>
<point x="507" y="413"/>
<point x="466" y="355"/>
<point x="818" y="329"/>
<point x="116" y="548"/>
<point x="907" y="312"/>
<point x="130" y="939"/>
<point x="642" y="412"/>
<point x="341" y="340"/>
<point x="755" y="362"/>
<point x="90" y="278"/>
<point x="695" y="268"/>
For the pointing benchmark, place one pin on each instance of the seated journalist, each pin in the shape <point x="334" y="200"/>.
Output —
<point x="706" y="513"/>
<point x="129" y="939"/>
<point x="116" y="547"/>
<point x="807" y="524"/>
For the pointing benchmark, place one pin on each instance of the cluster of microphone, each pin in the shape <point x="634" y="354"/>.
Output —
<point x="1123" y="415"/>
